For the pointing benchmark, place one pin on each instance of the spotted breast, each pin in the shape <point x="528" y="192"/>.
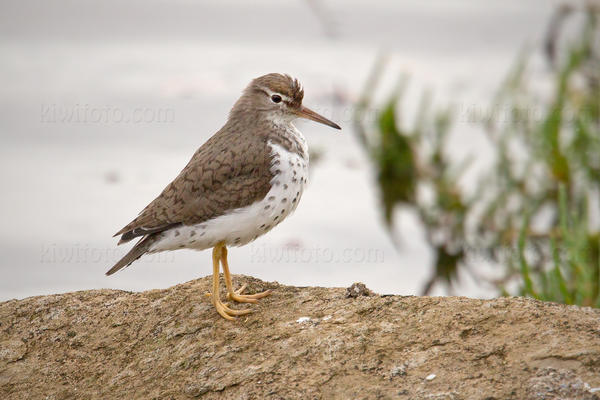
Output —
<point x="289" y="168"/>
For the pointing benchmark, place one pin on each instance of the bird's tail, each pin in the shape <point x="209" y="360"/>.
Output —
<point x="136" y="252"/>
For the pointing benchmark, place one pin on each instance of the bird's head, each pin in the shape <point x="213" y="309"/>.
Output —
<point x="278" y="97"/>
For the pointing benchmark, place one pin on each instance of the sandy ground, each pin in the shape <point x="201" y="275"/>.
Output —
<point x="300" y="343"/>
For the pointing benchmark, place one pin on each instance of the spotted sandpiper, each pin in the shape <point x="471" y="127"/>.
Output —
<point x="245" y="180"/>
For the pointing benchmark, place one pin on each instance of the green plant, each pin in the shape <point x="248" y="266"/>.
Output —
<point x="540" y="197"/>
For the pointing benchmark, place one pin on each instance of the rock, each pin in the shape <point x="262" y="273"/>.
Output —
<point x="12" y="350"/>
<point x="549" y="384"/>
<point x="171" y="344"/>
<point x="358" y="289"/>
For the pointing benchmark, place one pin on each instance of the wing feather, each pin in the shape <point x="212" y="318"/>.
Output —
<point x="223" y="174"/>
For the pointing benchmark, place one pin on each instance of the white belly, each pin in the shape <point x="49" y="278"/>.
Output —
<point x="242" y="225"/>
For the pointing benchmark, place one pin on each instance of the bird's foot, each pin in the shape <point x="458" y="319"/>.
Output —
<point x="246" y="298"/>
<point x="226" y="312"/>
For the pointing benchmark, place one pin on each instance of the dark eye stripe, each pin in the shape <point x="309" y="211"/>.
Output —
<point x="290" y="103"/>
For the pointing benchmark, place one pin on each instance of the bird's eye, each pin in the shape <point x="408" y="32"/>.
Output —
<point x="276" y="98"/>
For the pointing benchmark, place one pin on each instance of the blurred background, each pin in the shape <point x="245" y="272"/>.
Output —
<point x="467" y="164"/>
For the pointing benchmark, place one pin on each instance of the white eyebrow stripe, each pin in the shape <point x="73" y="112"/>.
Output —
<point x="271" y="93"/>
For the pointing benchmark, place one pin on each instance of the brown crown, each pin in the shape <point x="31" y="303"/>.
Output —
<point x="281" y="83"/>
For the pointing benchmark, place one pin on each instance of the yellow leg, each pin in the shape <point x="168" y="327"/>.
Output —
<point x="236" y="295"/>
<point x="221" y="308"/>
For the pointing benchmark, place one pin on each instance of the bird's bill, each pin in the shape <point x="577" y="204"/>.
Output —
<point x="307" y="113"/>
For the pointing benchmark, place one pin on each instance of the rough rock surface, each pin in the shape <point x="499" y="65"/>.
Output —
<point x="304" y="343"/>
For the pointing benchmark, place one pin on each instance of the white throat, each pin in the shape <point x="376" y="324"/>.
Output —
<point x="285" y="123"/>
